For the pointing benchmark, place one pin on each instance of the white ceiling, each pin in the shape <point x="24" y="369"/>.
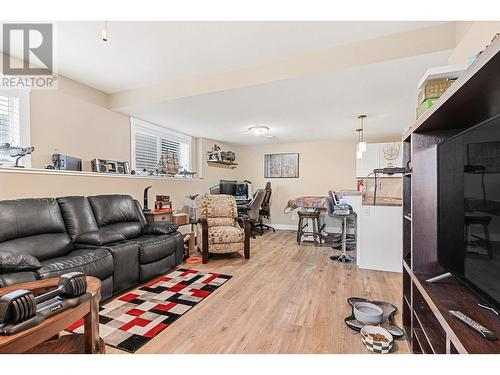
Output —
<point x="304" y="109"/>
<point x="140" y="54"/>
<point x="144" y="54"/>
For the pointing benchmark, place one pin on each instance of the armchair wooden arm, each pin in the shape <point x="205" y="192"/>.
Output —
<point x="247" y="227"/>
<point x="204" y="239"/>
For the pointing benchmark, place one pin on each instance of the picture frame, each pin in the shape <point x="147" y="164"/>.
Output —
<point x="285" y="165"/>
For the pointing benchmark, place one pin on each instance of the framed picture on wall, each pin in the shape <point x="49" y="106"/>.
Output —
<point x="281" y="165"/>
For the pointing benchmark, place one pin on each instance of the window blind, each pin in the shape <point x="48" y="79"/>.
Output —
<point x="10" y="130"/>
<point x="151" y="142"/>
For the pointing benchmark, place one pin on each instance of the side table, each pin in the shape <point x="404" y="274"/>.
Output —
<point x="38" y="339"/>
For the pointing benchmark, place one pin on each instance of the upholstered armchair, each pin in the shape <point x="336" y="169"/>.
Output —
<point x="219" y="229"/>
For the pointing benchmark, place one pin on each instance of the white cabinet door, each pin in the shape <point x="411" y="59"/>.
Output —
<point x="370" y="160"/>
<point x="374" y="157"/>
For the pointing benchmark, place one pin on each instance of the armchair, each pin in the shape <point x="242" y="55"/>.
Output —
<point x="219" y="229"/>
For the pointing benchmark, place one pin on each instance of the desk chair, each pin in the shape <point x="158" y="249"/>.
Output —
<point x="252" y="211"/>
<point x="265" y="209"/>
<point x="343" y="213"/>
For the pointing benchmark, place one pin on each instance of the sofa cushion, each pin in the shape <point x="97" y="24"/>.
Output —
<point x="15" y="262"/>
<point x="221" y="222"/>
<point x="92" y="262"/>
<point x="42" y="246"/>
<point x="111" y="209"/>
<point x="99" y="237"/>
<point x="77" y="215"/>
<point x="130" y="230"/>
<point x="160" y="227"/>
<point x="217" y="235"/>
<point x="28" y="217"/>
<point x="154" y="247"/>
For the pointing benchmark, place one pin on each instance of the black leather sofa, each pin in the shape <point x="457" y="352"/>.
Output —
<point x="105" y="236"/>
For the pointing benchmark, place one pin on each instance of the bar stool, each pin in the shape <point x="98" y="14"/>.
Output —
<point x="315" y="234"/>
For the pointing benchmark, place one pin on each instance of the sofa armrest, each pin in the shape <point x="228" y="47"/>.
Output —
<point x="99" y="237"/>
<point x="16" y="262"/>
<point x="160" y="227"/>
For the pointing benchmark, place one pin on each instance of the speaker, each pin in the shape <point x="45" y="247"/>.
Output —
<point x="110" y="166"/>
<point x="66" y="162"/>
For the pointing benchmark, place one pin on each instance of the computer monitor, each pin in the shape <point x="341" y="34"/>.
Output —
<point x="241" y="191"/>
<point x="227" y="187"/>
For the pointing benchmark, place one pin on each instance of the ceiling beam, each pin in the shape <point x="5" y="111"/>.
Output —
<point x="390" y="47"/>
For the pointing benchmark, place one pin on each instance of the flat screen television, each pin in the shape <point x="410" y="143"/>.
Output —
<point x="469" y="208"/>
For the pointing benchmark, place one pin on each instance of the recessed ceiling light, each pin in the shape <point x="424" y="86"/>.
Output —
<point x="258" y="130"/>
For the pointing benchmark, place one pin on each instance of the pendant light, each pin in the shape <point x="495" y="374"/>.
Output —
<point x="104" y="32"/>
<point x="359" y="153"/>
<point x="361" y="131"/>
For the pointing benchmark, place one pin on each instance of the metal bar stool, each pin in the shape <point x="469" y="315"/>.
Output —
<point x="345" y="213"/>
<point x="315" y="233"/>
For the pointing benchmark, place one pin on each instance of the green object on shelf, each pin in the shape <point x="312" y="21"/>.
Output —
<point x="425" y="105"/>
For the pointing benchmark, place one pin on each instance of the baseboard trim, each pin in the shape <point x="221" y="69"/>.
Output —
<point x="294" y="227"/>
<point x="283" y="226"/>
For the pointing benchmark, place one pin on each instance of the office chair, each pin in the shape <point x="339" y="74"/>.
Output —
<point x="265" y="210"/>
<point x="252" y="210"/>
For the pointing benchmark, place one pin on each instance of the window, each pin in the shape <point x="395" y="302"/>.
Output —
<point x="14" y="124"/>
<point x="150" y="141"/>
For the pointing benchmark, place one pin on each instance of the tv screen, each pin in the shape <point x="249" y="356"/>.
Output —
<point x="469" y="208"/>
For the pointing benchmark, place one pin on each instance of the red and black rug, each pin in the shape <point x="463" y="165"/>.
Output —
<point x="131" y="320"/>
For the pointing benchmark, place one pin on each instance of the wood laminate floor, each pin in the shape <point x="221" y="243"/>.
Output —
<point x="285" y="299"/>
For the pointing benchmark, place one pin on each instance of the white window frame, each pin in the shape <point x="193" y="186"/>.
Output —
<point x="24" y="124"/>
<point x="159" y="131"/>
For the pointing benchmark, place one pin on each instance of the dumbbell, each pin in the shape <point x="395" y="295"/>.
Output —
<point x="17" y="306"/>
<point x="70" y="285"/>
<point x="21" y="304"/>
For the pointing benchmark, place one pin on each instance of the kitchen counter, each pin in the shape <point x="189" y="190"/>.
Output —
<point x="383" y="201"/>
<point x="379" y="235"/>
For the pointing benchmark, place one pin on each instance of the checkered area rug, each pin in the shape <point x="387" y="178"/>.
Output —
<point x="131" y="320"/>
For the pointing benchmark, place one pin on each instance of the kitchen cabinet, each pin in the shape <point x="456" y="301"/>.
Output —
<point x="374" y="158"/>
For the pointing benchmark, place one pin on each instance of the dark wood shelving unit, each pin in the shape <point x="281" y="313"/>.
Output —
<point x="428" y="325"/>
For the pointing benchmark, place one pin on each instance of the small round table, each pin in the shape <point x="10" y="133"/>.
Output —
<point x="44" y="338"/>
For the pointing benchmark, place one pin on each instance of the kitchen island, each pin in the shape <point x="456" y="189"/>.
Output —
<point x="379" y="232"/>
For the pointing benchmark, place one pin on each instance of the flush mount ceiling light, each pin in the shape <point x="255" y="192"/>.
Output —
<point x="361" y="136"/>
<point x="258" y="130"/>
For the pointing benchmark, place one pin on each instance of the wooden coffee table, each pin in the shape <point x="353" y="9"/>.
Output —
<point x="44" y="338"/>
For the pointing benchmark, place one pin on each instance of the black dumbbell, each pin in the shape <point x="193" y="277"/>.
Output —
<point x="17" y="306"/>
<point x="70" y="285"/>
<point x="21" y="304"/>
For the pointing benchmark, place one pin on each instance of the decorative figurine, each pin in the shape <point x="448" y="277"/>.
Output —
<point x="17" y="152"/>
